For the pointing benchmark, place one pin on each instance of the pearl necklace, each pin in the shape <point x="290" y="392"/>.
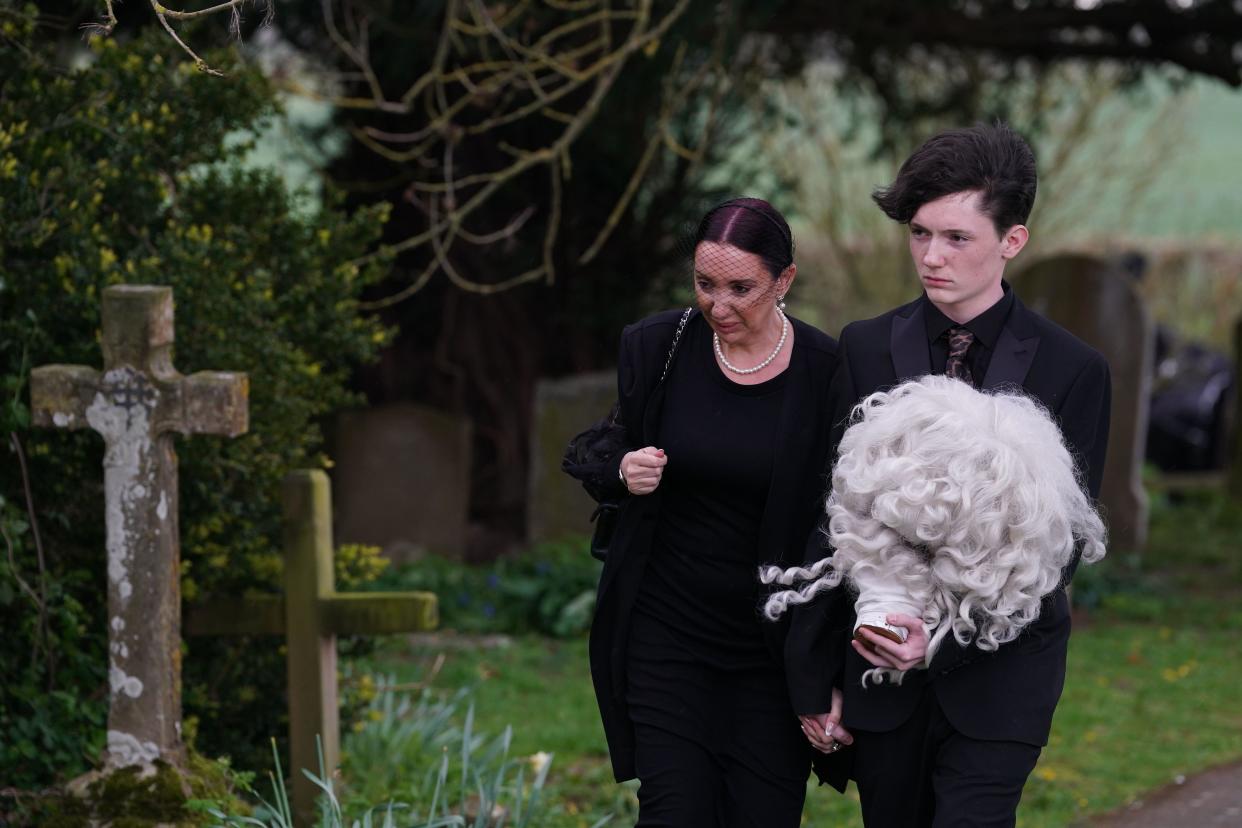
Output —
<point x="780" y="344"/>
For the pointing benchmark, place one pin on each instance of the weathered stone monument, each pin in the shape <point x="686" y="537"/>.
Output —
<point x="137" y="404"/>
<point x="402" y="479"/>
<point x="556" y="503"/>
<point x="1095" y="300"/>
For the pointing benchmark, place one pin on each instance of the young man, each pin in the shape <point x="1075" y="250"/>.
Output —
<point x="953" y="744"/>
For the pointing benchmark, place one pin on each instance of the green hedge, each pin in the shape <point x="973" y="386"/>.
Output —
<point x="124" y="169"/>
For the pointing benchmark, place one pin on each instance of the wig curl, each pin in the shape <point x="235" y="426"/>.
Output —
<point x="963" y="506"/>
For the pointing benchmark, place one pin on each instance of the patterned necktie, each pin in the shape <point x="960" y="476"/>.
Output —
<point x="960" y="341"/>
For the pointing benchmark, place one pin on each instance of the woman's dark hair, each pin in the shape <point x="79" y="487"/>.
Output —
<point x="992" y="160"/>
<point x="753" y="225"/>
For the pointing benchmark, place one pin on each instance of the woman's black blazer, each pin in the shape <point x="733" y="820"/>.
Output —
<point x="794" y="505"/>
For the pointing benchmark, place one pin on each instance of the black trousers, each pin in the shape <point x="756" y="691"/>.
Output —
<point x="926" y="773"/>
<point x="685" y="786"/>
<point x="714" y="747"/>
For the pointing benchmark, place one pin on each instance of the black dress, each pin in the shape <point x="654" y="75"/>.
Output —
<point x="792" y="504"/>
<point x="717" y="742"/>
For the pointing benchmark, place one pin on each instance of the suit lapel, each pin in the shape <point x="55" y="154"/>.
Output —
<point x="1015" y="350"/>
<point x="908" y="344"/>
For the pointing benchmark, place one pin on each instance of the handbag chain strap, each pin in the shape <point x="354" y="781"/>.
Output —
<point x="681" y="326"/>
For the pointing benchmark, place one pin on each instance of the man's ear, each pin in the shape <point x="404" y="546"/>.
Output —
<point x="1014" y="239"/>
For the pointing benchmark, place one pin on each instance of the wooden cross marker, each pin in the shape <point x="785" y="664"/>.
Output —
<point x="310" y="616"/>
<point x="137" y="404"/>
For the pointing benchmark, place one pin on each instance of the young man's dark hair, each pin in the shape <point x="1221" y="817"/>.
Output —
<point x="992" y="160"/>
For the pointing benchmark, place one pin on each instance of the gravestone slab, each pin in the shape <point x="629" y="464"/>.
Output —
<point x="1235" y="417"/>
<point x="401" y="480"/>
<point x="556" y="503"/>
<point x="1095" y="300"/>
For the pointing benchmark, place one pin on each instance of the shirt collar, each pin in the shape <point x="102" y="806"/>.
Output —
<point x="986" y="327"/>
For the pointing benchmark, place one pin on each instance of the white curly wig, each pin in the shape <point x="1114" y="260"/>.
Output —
<point x="953" y="505"/>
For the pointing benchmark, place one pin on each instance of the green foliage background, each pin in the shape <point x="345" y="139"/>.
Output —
<point x="547" y="590"/>
<point x="124" y="170"/>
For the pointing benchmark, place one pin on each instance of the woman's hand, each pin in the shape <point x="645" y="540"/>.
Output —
<point x="642" y="469"/>
<point x="882" y="652"/>
<point x="824" y="731"/>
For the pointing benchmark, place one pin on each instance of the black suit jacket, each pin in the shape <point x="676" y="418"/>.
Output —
<point x="794" y="503"/>
<point x="1010" y="693"/>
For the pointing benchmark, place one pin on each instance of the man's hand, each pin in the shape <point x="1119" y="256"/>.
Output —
<point x="643" y="469"/>
<point x="883" y="652"/>
<point x="824" y="731"/>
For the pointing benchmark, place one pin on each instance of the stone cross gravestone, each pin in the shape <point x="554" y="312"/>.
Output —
<point x="137" y="404"/>
<point x="1096" y="301"/>
<point x="556" y="503"/>
<point x="310" y="616"/>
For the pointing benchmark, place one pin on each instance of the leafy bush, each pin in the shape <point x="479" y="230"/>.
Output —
<point x="124" y="170"/>
<point x="49" y="651"/>
<point x="549" y="589"/>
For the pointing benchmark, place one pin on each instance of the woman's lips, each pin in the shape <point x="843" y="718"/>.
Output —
<point x="932" y="281"/>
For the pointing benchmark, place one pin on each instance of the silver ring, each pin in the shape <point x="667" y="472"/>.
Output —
<point x="835" y="747"/>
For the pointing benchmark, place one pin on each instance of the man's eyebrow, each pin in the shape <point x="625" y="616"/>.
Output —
<point x="953" y="230"/>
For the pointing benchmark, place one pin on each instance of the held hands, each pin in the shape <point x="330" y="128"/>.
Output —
<point x="824" y="731"/>
<point x="642" y="469"/>
<point x="882" y="652"/>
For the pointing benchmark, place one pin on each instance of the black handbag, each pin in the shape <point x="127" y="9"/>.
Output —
<point x="589" y="454"/>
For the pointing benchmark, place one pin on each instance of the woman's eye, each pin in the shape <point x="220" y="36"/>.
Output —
<point x="741" y="290"/>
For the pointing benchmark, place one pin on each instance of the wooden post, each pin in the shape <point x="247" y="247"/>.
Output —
<point x="310" y="615"/>
<point x="311" y="648"/>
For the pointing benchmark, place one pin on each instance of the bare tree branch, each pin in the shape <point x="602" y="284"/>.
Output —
<point x="468" y="96"/>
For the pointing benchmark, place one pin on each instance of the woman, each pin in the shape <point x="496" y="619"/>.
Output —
<point x="721" y="474"/>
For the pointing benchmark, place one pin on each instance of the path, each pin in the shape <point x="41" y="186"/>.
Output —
<point x="1206" y="800"/>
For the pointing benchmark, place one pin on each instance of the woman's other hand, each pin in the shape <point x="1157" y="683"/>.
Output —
<point x="824" y="731"/>
<point x="642" y="469"/>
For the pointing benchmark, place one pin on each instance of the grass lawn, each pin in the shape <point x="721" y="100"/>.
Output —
<point x="1143" y="704"/>
<point x="1150" y="695"/>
